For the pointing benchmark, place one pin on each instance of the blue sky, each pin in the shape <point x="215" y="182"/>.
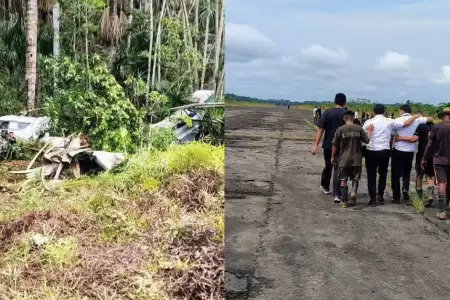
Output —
<point x="385" y="50"/>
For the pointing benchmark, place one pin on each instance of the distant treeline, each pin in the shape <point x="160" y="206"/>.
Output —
<point x="360" y="104"/>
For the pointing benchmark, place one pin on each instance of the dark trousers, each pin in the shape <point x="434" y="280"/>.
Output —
<point x="401" y="166"/>
<point x="377" y="161"/>
<point x="328" y="172"/>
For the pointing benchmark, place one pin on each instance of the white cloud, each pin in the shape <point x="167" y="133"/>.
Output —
<point x="317" y="54"/>
<point x="310" y="59"/>
<point x="245" y="43"/>
<point x="444" y="77"/>
<point x="393" y="61"/>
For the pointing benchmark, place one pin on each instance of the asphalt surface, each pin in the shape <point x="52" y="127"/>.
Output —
<point x="286" y="240"/>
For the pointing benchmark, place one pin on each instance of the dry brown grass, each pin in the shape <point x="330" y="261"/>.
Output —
<point x="102" y="243"/>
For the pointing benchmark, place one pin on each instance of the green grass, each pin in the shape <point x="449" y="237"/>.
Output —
<point x="131" y="233"/>
<point x="417" y="203"/>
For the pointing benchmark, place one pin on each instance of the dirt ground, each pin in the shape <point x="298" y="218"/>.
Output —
<point x="286" y="240"/>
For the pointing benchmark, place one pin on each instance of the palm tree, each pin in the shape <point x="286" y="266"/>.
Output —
<point x="113" y="23"/>
<point x="30" y="62"/>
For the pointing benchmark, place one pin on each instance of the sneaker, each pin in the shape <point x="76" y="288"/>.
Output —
<point x="396" y="201"/>
<point x="325" y="190"/>
<point x="343" y="204"/>
<point x="380" y="200"/>
<point x="372" y="202"/>
<point x="352" y="201"/>
<point x="337" y="199"/>
<point x="429" y="202"/>
<point x="442" y="215"/>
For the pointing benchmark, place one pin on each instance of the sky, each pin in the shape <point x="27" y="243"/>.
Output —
<point x="388" y="51"/>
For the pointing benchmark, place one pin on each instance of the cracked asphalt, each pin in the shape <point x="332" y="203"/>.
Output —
<point x="285" y="240"/>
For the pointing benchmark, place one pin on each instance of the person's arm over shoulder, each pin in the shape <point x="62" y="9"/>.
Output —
<point x="424" y="120"/>
<point x="399" y="123"/>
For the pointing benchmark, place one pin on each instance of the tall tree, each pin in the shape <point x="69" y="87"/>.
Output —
<point x="55" y="23"/>
<point x="30" y="63"/>
<point x="220" y="12"/>
<point x="207" y="15"/>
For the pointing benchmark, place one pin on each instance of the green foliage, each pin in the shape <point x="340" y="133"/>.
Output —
<point x="149" y="169"/>
<point x="101" y="111"/>
<point x="357" y="104"/>
<point x="61" y="252"/>
<point x="212" y="127"/>
<point x="157" y="138"/>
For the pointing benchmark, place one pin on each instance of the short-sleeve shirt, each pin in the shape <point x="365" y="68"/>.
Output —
<point x="408" y="131"/>
<point x="422" y="132"/>
<point x="440" y="135"/>
<point x="330" y="121"/>
<point x="348" y="141"/>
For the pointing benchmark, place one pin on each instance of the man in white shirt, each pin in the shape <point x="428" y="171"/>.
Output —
<point x="403" y="155"/>
<point x="314" y="114"/>
<point x="356" y="115"/>
<point x="379" y="150"/>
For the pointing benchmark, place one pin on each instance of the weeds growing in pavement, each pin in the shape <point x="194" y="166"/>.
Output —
<point x="152" y="228"/>
<point x="417" y="203"/>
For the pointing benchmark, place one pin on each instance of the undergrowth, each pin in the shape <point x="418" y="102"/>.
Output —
<point x="153" y="228"/>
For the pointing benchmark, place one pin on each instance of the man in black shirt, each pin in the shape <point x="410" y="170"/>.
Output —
<point x="329" y="122"/>
<point x="421" y="134"/>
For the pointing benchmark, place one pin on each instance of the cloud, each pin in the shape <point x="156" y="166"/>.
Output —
<point x="244" y="43"/>
<point x="386" y="50"/>
<point x="322" y="56"/>
<point x="393" y="61"/>
<point x="444" y="77"/>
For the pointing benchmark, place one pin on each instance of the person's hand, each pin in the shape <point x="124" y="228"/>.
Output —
<point x="423" y="164"/>
<point x="333" y="160"/>
<point x="314" y="149"/>
<point x="398" y="138"/>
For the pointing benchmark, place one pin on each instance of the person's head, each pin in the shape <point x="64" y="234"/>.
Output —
<point x="357" y="122"/>
<point x="340" y="99"/>
<point x="315" y="106"/>
<point x="405" y="109"/>
<point x="379" y="109"/>
<point x="349" y="116"/>
<point x="444" y="114"/>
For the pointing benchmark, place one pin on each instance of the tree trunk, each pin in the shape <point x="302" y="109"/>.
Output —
<point x="158" y="44"/>
<point x="150" y="51"/>
<point x="112" y="9"/>
<point x="220" y="20"/>
<point x="55" y="23"/>
<point x="86" y="42"/>
<point x="196" y="33"/>
<point x="205" y="45"/>
<point x="30" y="74"/>
<point x="130" y="20"/>
<point x="187" y="37"/>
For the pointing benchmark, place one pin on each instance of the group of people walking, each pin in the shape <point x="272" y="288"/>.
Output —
<point x="346" y="142"/>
